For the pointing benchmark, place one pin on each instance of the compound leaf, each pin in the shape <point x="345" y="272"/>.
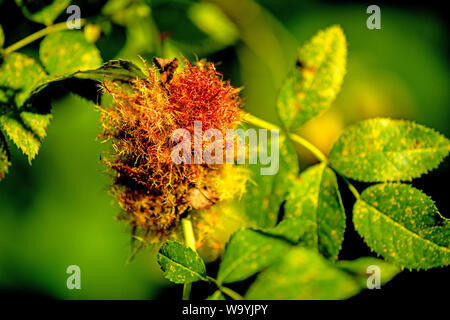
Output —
<point x="314" y="84"/>
<point x="315" y="200"/>
<point x="402" y="224"/>
<point x="180" y="264"/>
<point x="382" y="149"/>
<point x="302" y="274"/>
<point x="248" y="252"/>
<point x="67" y="52"/>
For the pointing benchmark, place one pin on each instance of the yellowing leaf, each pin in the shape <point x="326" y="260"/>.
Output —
<point x="315" y="82"/>
<point x="19" y="73"/>
<point x="68" y="51"/>
<point x="387" y="150"/>
<point x="403" y="225"/>
<point x="26" y="140"/>
<point x="314" y="199"/>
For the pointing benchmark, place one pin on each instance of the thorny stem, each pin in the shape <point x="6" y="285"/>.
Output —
<point x="189" y="239"/>
<point x="37" y="35"/>
<point x="294" y="137"/>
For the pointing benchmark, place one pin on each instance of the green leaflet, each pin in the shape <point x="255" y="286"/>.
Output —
<point x="403" y="225"/>
<point x="4" y="158"/>
<point x="359" y="268"/>
<point x="18" y="74"/>
<point x="314" y="84"/>
<point x="314" y="199"/>
<point x="180" y="264"/>
<point x="265" y="193"/>
<point x="26" y="131"/>
<point x="68" y="51"/>
<point x="302" y="274"/>
<point x="43" y="11"/>
<point x="2" y="37"/>
<point x="248" y="252"/>
<point x="386" y="150"/>
<point x="120" y="70"/>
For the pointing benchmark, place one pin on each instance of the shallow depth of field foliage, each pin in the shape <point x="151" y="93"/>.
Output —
<point x="355" y="121"/>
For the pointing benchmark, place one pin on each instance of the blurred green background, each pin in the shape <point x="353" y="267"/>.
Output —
<point x="57" y="212"/>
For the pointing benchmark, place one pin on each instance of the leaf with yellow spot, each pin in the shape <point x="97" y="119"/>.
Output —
<point x="315" y="82"/>
<point x="248" y="252"/>
<point x="383" y="149"/>
<point x="26" y="131"/>
<point x="67" y="52"/>
<point x="402" y="224"/>
<point x="302" y="274"/>
<point x="44" y="12"/>
<point x="315" y="200"/>
<point x="180" y="264"/>
<point x="18" y="75"/>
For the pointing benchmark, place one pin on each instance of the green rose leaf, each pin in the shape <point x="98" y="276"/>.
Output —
<point x="314" y="84"/>
<point x="114" y="70"/>
<point x="302" y="274"/>
<point x="44" y="12"/>
<point x="67" y="52"/>
<point x="18" y="75"/>
<point x="247" y="253"/>
<point x="4" y="157"/>
<point x="315" y="200"/>
<point x="382" y="149"/>
<point x="402" y="224"/>
<point x="17" y="131"/>
<point x="180" y="264"/>
<point x="361" y="269"/>
<point x="2" y="37"/>
<point x="265" y="193"/>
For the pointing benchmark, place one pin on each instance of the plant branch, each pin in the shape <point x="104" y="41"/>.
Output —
<point x="37" y="35"/>
<point x="189" y="240"/>
<point x="294" y="137"/>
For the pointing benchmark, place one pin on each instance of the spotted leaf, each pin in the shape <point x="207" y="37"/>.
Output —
<point x="68" y="51"/>
<point x="382" y="149"/>
<point x="180" y="264"/>
<point x="402" y="224"/>
<point x="315" y="200"/>
<point x="315" y="82"/>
